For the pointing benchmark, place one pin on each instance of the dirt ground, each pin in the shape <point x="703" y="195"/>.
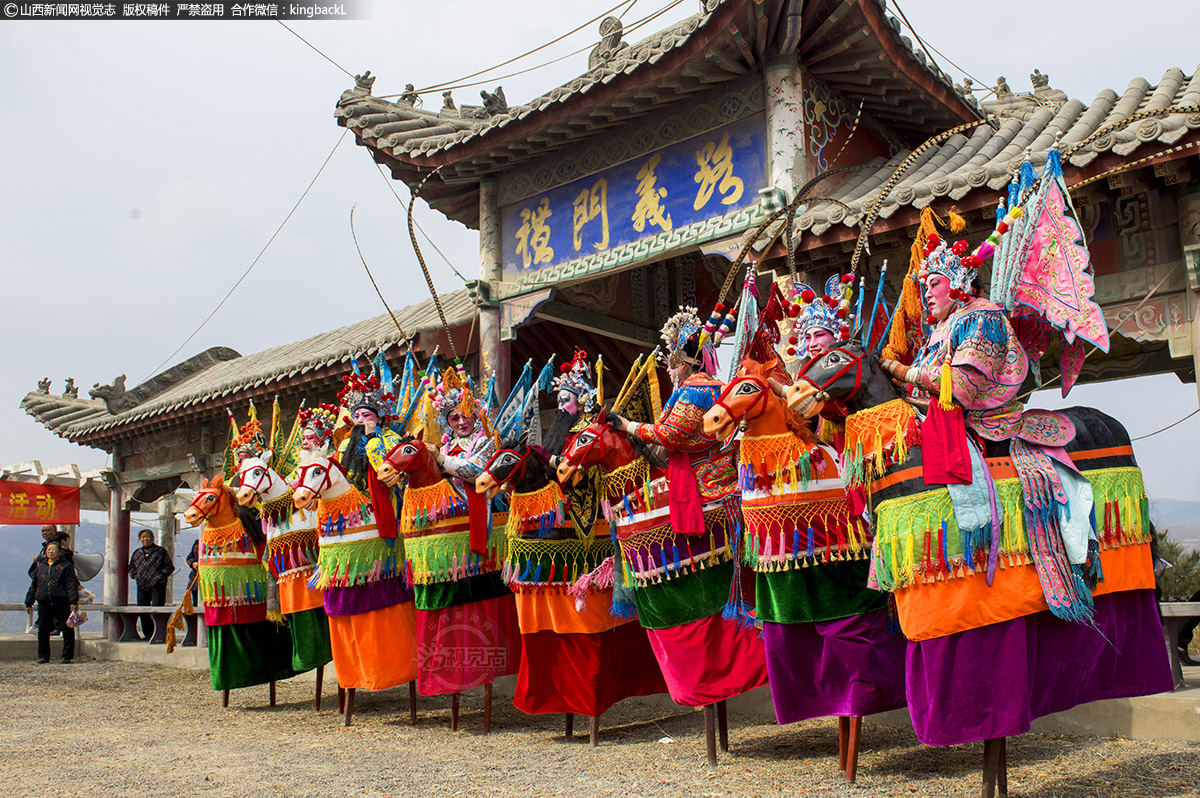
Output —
<point x="124" y="729"/>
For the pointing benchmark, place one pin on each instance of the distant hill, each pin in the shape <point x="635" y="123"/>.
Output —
<point x="19" y="544"/>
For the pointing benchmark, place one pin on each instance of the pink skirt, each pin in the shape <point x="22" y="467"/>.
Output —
<point x="709" y="660"/>
<point x="467" y="645"/>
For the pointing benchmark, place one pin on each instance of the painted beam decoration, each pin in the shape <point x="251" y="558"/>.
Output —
<point x="683" y="194"/>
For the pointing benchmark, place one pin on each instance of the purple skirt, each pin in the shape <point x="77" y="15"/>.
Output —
<point x="357" y="599"/>
<point x="994" y="681"/>
<point x="851" y="666"/>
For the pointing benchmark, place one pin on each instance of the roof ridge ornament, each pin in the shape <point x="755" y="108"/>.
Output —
<point x="610" y="47"/>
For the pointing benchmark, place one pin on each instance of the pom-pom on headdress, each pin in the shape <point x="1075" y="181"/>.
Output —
<point x="453" y="393"/>
<point x="688" y="340"/>
<point x="576" y="377"/>
<point x="320" y="420"/>
<point x="952" y="261"/>
<point x="828" y="312"/>
<point x="250" y="442"/>
<point x="365" y="390"/>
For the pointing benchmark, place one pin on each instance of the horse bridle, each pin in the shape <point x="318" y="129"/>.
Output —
<point x="302" y="472"/>
<point x="856" y="362"/>
<point x="255" y="487"/>
<point x="762" y="396"/>
<point x="203" y="491"/>
<point x="569" y="455"/>
<point x="515" y="475"/>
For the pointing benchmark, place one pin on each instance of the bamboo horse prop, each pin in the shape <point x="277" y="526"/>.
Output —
<point x="568" y="630"/>
<point x="360" y="568"/>
<point x="829" y="651"/>
<point x="680" y="583"/>
<point x="292" y="551"/>
<point x="244" y="647"/>
<point x="436" y="525"/>
<point x="973" y="592"/>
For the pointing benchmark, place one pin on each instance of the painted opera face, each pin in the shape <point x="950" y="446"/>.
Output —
<point x="310" y="441"/>
<point x="818" y="341"/>
<point x="460" y="424"/>
<point x="937" y="296"/>
<point x="568" y="402"/>
<point x="363" y="415"/>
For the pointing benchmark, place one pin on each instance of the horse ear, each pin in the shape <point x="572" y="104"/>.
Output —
<point x="267" y="455"/>
<point x="217" y="482"/>
<point x="769" y="366"/>
<point x="203" y="482"/>
<point x="602" y="416"/>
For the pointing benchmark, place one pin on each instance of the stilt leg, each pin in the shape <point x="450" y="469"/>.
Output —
<point x="487" y="708"/>
<point x="570" y="723"/>
<point x="341" y="699"/>
<point x="272" y="693"/>
<point x="843" y="738"/>
<point x="710" y="735"/>
<point x="454" y="713"/>
<point x="225" y="699"/>
<point x="992" y="753"/>
<point x="595" y="735"/>
<point x="349" y="704"/>
<point x="1002" y="771"/>
<point x="722" y="727"/>
<point x="852" y="748"/>
<point x="412" y="702"/>
<point x="320" y="682"/>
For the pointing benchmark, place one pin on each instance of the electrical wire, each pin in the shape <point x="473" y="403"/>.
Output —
<point x="446" y="84"/>
<point x="253" y="263"/>
<point x="1164" y="429"/>
<point x="424" y="235"/>
<point x="314" y="47"/>
<point x="927" y="47"/>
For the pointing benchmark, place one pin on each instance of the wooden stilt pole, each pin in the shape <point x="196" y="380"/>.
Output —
<point x="272" y="693"/>
<point x="995" y="765"/>
<point x="569" y="717"/>
<point x="843" y="738"/>
<point x="722" y="726"/>
<point x="412" y="702"/>
<point x="710" y="735"/>
<point x="349" y="704"/>
<point x="454" y="712"/>
<point x="595" y="731"/>
<point x="852" y="748"/>
<point x="225" y="699"/>
<point x="487" y="708"/>
<point x="341" y="699"/>
<point x="320" y="682"/>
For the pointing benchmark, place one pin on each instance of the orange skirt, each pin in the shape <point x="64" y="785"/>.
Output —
<point x="296" y="596"/>
<point x="377" y="649"/>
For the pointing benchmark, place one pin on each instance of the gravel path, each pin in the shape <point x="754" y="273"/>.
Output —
<point x="124" y="729"/>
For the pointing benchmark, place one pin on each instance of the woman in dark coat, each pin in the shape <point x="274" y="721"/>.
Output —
<point x="55" y="588"/>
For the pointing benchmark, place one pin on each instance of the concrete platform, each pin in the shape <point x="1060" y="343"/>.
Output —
<point x="18" y="645"/>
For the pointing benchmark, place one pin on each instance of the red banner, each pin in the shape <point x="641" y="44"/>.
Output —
<point x="31" y="503"/>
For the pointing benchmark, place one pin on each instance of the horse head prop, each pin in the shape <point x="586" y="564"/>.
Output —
<point x="847" y="375"/>
<point x="213" y="504"/>
<point x="756" y="393"/>
<point x="321" y="478"/>
<point x="410" y="456"/>
<point x="258" y="481"/>
<point x="518" y="467"/>
<point x="598" y="444"/>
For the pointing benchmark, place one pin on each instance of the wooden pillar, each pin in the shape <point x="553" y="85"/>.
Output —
<point x="168" y="526"/>
<point x="1189" y="239"/>
<point x="494" y="354"/>
<point x="786" y="134"/>
<point x="116" y="555"/>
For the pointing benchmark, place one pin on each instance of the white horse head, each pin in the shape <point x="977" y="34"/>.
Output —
<point x="258" y="481"/>
<point x="320" y="478"/>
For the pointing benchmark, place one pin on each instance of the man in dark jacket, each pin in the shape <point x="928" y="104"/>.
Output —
<point x="55" y="588"/>
<point x="51" y="533"/>
<point x="151" y="567"/>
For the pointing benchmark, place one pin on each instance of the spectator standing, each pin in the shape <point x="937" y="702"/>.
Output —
<point x="55" y="588"/>
<point x="51" y="533"/>
<point x="151" y="567"/>
<point x="193" y="560"/>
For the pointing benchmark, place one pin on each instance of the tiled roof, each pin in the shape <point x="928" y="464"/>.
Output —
<point x="987" y="157"/>
<point x="849" y="45"/>
<point x="72" y="418"/>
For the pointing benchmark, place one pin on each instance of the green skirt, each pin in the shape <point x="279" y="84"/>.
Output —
<point x="246" y="654"/>
<point x="310" y="639"/>
<point x="684" y="599"/>
<point x="823" y="592"/>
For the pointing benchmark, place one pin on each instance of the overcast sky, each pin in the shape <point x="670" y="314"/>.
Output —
<point x="146" y="164"/>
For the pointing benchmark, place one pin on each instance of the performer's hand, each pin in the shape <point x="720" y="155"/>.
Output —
<point x="898" y="370"/>
<point x="369" y="426"/>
